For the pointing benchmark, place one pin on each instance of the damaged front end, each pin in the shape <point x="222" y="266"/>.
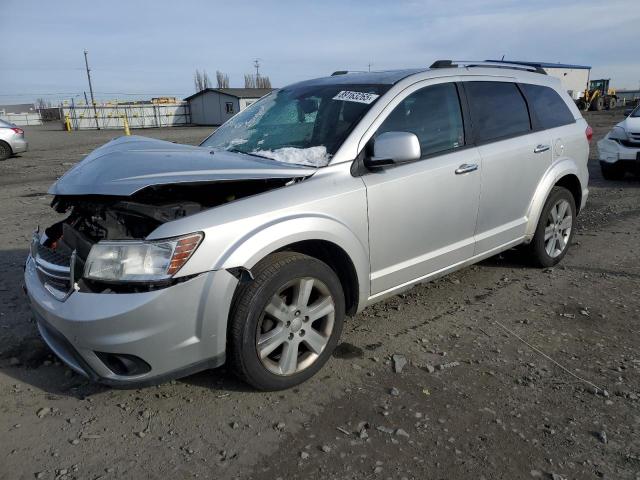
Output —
<point x="62" y="250"/>
<point x="121" y="192"/>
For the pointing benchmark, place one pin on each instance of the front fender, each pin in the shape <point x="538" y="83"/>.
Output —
<point x="265" y="239"/>
<point x="559" y="169"/>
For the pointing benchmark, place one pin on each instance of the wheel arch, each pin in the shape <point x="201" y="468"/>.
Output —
<point x="320" y="237"/>
<point x="564" y="174"/>
<point x="338" y="260"/>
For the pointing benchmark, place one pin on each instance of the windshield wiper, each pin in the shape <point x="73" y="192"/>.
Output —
<point x="235" y="150"/>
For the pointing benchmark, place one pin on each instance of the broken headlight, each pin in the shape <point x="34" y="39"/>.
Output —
<point x="139" y="261"/>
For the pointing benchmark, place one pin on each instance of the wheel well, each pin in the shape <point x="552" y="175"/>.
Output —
<point x="8" y="146"/>
<point x="571" y="183"/>
<point x="340" y="263"/>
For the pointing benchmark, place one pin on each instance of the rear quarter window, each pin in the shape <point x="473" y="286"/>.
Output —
<point x="549" y="108"/>
<point x="498" y="110"/>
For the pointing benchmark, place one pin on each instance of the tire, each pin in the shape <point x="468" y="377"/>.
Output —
<point x="5" y="151"/>
<point x="264" y="312"/>
<point x="611" y="104"/>
<point x="582" y="105"/>
<point x="612" y="171"/>
<point x="599" y="104"/>
<point x="545" y="251"/>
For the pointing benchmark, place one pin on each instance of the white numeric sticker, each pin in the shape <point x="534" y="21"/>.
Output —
<point x="359" y="97"/>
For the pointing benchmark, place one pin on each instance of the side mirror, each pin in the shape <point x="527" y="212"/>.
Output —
<point x="394" y="147"/>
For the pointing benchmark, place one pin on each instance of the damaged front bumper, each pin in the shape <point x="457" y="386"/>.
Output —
<point x="135" y="339"/>
<point x="611" y="151"/>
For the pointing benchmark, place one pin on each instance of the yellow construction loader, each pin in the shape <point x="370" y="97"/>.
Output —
<point x="598" y="96"/>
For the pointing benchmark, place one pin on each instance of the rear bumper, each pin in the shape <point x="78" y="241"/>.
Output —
<point x="19" y="145"/>
<point x="176" y="331"/>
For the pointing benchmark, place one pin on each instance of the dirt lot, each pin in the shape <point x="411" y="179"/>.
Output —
<point x="474" y="400"/>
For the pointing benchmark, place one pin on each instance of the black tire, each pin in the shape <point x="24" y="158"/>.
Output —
<point x="538" y="245"/>
<point x="598" y="104"/>
<point x="582" y="105"/>
<point x="5" y="151"/>
<point x="248" y="312"/>
<point x="611" y="104"/>
<point x="612" y="171"/>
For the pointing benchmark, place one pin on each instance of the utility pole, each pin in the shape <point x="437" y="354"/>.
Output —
<point x="369" y="66"/>
<point x="93" y="102"/>
<point x="256" y="63"/>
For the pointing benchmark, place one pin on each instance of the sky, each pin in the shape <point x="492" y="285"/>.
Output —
<point x="140" y="49"/>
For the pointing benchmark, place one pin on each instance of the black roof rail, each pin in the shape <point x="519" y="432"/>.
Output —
<point x="344" y="72"/>
<point x="486" y="63"/>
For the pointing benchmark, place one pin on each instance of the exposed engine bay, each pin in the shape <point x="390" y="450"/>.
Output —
<point x="92" y="218"/>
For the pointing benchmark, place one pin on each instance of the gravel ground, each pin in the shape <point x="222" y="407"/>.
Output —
<point x="491" y="388"/>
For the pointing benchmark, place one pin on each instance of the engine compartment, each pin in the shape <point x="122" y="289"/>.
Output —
<point x="102" y="217"/>
<point x="92" y="218"/>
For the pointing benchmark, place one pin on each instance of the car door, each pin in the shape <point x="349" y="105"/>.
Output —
<point x="422" y="215"/>
<point x="514" y="159"/>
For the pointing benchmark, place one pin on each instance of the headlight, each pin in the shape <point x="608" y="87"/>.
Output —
<point x="140" y="261"/>
<point x="618" y="133"/>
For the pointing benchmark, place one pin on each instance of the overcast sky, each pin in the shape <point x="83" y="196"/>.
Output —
<point x="152" y="48"/>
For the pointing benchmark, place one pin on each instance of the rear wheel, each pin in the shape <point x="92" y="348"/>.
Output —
<point x="286" y="322"/>
<point x="611" y="104"/>
<point x="612" y="171"/>
<point x="555" y="228"/>
<point x="5" y="151"/>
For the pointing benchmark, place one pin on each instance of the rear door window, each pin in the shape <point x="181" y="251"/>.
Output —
<point x="498" y="110"/>
<point x="433" y="114"/>
<point x="549" y="108"/>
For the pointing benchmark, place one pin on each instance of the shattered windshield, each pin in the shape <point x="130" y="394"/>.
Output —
<point x="303" y="125"/>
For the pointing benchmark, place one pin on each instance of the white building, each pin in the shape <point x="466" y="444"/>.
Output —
<point x="214" y="106"/>
<point x="574" y="78"/>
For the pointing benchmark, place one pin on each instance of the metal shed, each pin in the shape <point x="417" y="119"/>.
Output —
<point x="214" y="106"/>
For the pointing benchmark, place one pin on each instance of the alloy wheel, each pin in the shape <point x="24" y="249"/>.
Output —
<point x="295" y="326"/>
<point x="558" y="229"/>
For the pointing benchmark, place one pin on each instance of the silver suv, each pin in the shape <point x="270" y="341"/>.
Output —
<point x="318" y="200"/>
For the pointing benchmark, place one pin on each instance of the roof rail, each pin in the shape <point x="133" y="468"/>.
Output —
<point x="344" y="72"/>
<point x="486" y="63"/>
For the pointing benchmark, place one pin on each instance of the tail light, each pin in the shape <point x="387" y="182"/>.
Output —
<point x="589" y="133"/>
<point x="19" y="131"/>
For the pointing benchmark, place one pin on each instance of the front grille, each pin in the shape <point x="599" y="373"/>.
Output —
<point x="630" y="143"/>
<point x="53" y="267"/>
<point x="634" y="136"/>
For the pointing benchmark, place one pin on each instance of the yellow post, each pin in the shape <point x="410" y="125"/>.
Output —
<point x="67" y="123"/>
<point x="126" y="125"/>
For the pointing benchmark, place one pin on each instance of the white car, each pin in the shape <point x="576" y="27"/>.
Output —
<point x="620" y="149"/>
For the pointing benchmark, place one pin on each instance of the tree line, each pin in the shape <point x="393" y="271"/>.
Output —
<point x="202" y="81"/>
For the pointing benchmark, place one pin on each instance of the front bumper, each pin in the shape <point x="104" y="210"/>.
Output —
<point x="176" y="330"/>
<point x="18" y="145"/>
<point x="611" y="151"/>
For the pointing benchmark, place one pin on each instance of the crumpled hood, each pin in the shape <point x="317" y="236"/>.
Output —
<point x="630" y="124"/>
<point x="126" y="165"/>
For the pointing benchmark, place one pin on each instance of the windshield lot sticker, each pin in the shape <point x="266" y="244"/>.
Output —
<point x="359" y="97"/>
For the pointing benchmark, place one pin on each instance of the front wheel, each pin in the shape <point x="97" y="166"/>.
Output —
<point x="286" y="322"/>
<point x="555" y="228"/>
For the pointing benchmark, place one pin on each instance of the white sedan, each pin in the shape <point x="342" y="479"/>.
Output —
<point x="620" y="149"/>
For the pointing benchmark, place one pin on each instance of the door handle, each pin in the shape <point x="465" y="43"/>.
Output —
<point x="466" y="168"/>
<point x="541" y="148"/>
